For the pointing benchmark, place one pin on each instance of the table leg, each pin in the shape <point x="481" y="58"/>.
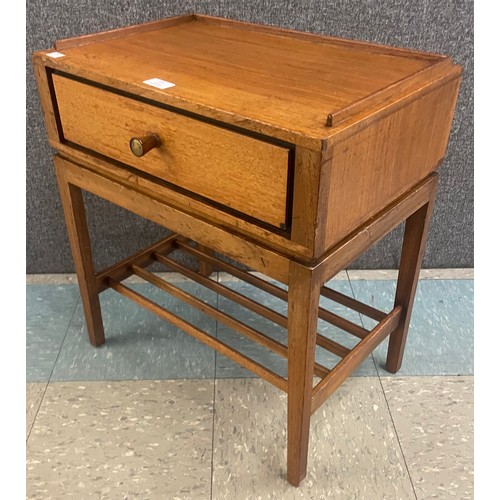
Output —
<point x="412" y="253"/>
<point x="303" y="302"/>
<point x="76" y="224"/>
<point x="204" y="268"/>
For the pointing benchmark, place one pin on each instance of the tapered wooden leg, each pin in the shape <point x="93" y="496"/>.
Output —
<point x="303" y="302"/>
<point x="76" y="224"/>
<point x="204" y="268"/>
<point x="412" y="253"/>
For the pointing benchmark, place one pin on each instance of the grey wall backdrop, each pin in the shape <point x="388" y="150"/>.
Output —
<point x="444" y="26"/>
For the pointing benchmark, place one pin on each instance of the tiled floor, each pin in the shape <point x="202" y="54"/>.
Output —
<point x="153" y="414"/>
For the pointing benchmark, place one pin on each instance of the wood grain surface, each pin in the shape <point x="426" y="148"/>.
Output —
<point x="373" y="167"/>
<point x="207" y="234"/>
<point x="272" y="81"/>
<point x="237" y="171"/>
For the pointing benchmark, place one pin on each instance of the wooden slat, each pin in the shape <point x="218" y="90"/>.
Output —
<point x="324" y="314"/>
<point x="344" y="324"/>
<point x="240" y="299"/>
<point x="225" y="291"/>
<point x="332" y="346"/>
<point x="347" y="365"/>
<point x="353" y="304"/>
<point x="218" y="315"/>
<point x="238" y="273"/>
<point x="122" y="270"/>
<point x="211" y="311"/>
<point x="202" y="336"/>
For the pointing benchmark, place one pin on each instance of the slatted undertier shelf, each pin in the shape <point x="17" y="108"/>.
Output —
<point x="329" y="378"/>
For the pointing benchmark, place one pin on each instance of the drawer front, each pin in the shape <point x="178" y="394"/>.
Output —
<point x="239" y="172"/>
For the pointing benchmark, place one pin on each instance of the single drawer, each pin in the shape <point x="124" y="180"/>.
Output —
<point x="239" y="172"/>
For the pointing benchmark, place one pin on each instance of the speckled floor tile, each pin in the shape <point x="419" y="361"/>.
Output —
<point x="139" y="345"/>
<point x="372" y="274"/>
<point x="228" y="369"/>
<point x="51" y="279"/>
<point x="102" y="440"/>
<point x="392" y="274"/>
<point x="447" y="274"/>
<point x="434" y="421"/>
<point x="34" y="394"/>
<point x="441" y="336"/>
<point x="65" y="279"/>
<point x="224" y="277"/>
<point x="353" y="452"/>
<point x="49" y="309"/>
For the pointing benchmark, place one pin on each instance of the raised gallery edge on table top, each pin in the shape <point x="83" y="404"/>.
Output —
<point x="302" y="88"/>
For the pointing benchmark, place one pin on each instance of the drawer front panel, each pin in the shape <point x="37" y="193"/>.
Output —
<point x="231" y="169"/>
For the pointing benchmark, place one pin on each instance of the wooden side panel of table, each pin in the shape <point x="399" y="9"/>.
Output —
<point x="379" y="163"/>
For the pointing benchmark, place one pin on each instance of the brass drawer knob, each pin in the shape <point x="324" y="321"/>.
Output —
<point x="141" y="145"/>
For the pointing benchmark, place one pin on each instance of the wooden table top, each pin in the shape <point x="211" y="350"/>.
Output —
<point x="287" y="84"/>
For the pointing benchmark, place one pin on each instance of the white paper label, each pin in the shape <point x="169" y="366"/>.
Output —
<point x="159" y="84"/>
<point x="55" y="55"/>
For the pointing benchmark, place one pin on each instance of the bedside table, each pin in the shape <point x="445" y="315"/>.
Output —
<point x="288" y="152"/>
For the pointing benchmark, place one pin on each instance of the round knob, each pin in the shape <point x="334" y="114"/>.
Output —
<point x="141" y="145"/>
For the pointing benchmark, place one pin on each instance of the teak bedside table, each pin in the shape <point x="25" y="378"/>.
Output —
<point x="288" y="152"/>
